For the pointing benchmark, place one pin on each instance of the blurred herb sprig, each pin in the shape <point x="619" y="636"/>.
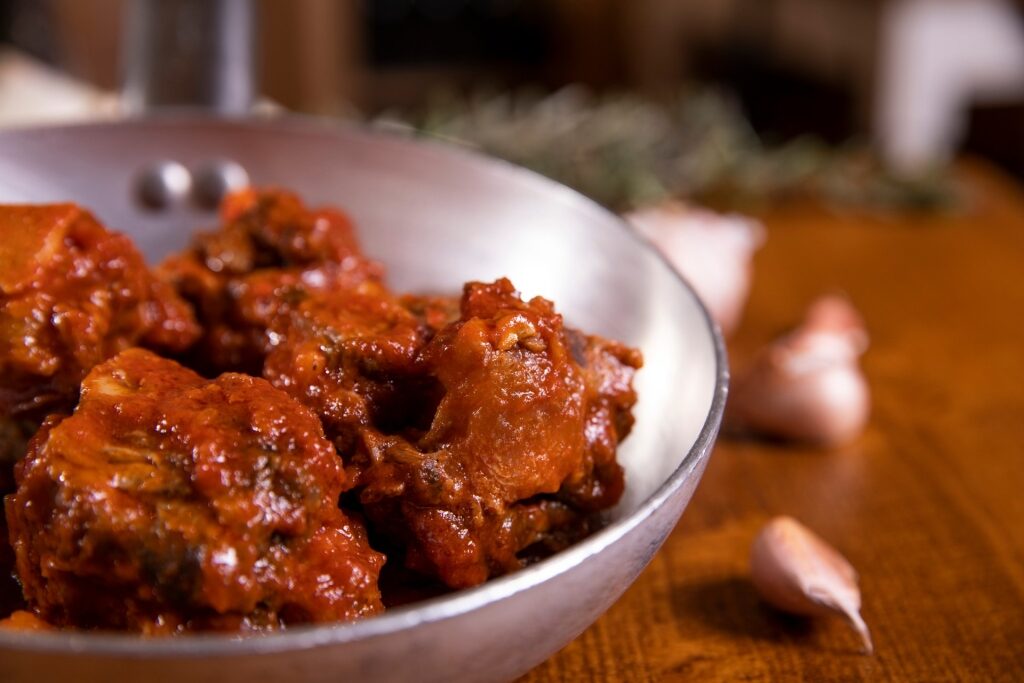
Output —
<point x="624" y="150"/>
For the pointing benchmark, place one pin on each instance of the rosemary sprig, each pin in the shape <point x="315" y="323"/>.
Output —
<point x="626" y="151"/>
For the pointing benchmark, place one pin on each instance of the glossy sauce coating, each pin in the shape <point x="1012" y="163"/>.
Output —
<point x="471" y="439"/>
<point x="474" y="434"/>
<point x="269" y="253"/>
<point x="350" y="356"/>
<point x="168" y="503"/>
<point x="73" y="294"/>
<point x="512" y="455"/>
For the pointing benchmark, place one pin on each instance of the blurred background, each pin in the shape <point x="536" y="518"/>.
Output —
<point x="746" y="100"/>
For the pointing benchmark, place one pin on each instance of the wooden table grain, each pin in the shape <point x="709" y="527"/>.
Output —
<point x="928" y="504"/>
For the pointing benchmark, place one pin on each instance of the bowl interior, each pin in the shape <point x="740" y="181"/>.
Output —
<point x="436" y="218"/>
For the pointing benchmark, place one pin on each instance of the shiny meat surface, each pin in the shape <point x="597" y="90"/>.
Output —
<point x="473" y="434"/>
<point x="434" y="312"/>
<point x="72" y="294"/>
<point x="350" y="355"/>
<point x="470" y="440"/>
<point x="269" y="253"/>
<point x="170" y="503"/>
<point x="608" y="369"/>
<point x="506" y="358"/>
<point x="517" y="426"/>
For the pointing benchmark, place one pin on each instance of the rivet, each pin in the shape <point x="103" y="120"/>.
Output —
<point x="163" y="184"/>
<point x="215" y="179"/>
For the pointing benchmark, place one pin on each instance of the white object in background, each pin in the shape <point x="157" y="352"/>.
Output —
<point x="713" y="252"/>
<point x="796" y="571"/>
<point x="807" y="385"/>
<point x="32" y="93"/>
<point x="937" y="57"/>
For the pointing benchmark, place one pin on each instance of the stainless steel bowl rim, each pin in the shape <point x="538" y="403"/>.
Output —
<point x="434" y="609"/>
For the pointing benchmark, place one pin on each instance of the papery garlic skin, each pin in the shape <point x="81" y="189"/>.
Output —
<point x="796" y="571"/>
<point x="808" y="385"/>
<point x="712" y="251"/>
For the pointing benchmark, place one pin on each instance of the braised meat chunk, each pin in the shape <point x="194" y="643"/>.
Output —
<point x="268" y="254"/>
<point x="433" y="312"/>
<point x="171" y="503"/>
<point x="608" y="369"/>
<point x="72" y="295"/>
<point x="350" y="355"/>
<point x="520" y="421"/>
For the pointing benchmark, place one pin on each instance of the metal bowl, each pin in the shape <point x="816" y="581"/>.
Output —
<point x="436" y="217"/>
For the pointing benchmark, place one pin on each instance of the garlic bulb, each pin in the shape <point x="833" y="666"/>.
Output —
<point x="797" y="572"/>
<point x="712" y="251"/>
<point x="808" y="385"/>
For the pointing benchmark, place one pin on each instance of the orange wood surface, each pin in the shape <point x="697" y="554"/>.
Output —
<point x="928" y="504"/>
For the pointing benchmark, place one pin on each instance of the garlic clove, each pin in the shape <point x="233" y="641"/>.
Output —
<point x="796" y="571"/>
<point x="808" y="385"/>
<point x="712" y="251"/>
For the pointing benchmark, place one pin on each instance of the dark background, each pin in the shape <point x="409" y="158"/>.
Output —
<point x="328" y="57"/>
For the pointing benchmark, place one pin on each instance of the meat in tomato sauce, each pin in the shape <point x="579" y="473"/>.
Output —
<point x="304" y="422"/>
<point x="270" y="252"/>
<point x="72" y="294"/>
<point x="170" y="503"/>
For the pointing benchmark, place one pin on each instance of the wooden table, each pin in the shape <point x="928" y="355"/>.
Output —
<point x="928" y="504"/>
